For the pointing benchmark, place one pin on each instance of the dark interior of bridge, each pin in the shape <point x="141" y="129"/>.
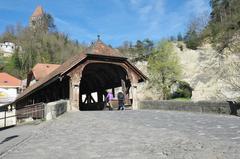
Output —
<point x="99" y="77"/>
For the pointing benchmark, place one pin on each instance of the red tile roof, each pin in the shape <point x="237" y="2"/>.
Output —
<point x="99" y="48"/>
<point x="41" y="70"/>
<point x="38" y="12"/>
<point x="7" y="80"/>
<point x="64" y="67"/>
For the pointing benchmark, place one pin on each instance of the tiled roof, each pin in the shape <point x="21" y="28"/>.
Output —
<point x="99" y="48"/>
<point x="41" y="70"/>
<point x="38" y="11"/>
<point x="7" y="80"/>
<point x="65" y="66"/>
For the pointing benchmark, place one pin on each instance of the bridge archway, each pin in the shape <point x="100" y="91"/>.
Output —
<point x="96" y="79"/>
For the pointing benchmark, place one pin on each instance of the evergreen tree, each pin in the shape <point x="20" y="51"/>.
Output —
<point x="179" y="37"/>
<point x="192" y="40"/>
<point x="224" y="24"/>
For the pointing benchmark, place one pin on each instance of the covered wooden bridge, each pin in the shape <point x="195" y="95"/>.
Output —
<point x="95" y="70"/>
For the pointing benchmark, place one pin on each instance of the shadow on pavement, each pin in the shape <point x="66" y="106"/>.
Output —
<point x="8" y="138"/>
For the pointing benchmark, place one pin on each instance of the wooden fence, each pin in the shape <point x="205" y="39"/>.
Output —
<point x="35" y="111"/>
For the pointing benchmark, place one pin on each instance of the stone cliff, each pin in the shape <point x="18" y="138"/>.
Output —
<point x="208" y="74"/>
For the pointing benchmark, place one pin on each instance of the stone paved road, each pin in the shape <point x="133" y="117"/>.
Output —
<point x="127" y="134"/>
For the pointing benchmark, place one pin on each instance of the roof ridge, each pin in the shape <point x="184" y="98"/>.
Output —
<point x="100" y="48"/>
<point x="38" y="11"/>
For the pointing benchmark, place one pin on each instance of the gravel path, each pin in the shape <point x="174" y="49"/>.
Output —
<point x="127" y="134"/>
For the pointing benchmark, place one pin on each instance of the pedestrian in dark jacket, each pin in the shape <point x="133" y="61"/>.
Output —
<point x="121" y="99"/>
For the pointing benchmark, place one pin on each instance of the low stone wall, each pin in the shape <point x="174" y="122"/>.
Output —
<point x="219" y="107"/>
<point x="55" y="109"/>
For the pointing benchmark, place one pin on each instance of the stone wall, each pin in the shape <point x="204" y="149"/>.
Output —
<point x="218" y="107"/>
<point x="55" y="109"/>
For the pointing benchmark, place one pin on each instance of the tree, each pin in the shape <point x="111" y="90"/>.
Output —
<point x="139" y="51"/>
<point x="179" y="37"/>
<point x="148" y="46"/>
<point x="37" y="46"/>
<point x="44" y="24"/>
<point x="194" y="30"/>
<point x="163" y="67"/>
<point x="172" y="38"/>
<point x="9" y="34"/>
<point x="191" y="39"/>
<point x="48" y="23"/>
<point x="139" y="48"/>
<point x="126" y="49"/>
<point x="224" y="25"/>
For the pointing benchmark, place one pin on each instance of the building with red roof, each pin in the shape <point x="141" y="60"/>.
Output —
<point x="40" y="71"/>
<point x="9" y="88"/>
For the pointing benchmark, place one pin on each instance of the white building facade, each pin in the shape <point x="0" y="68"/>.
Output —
<point x="9" y="88"/>
<point x="7" y="48"/>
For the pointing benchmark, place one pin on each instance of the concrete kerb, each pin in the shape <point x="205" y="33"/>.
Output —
<point x="217" y="107"/>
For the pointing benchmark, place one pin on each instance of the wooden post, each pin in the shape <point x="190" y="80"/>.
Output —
<point x="99" y="96"/>
<point x="74" y="93"/>
<point x="74" y="88"/>
<point x="134" y="93"/>
<point x="113" y="92"/>
<point x="123" y="87"/>
<point x="88" y="98"/>
<point x="134" y="96"/>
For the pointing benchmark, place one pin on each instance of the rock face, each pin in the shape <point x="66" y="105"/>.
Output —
<point x="206" y="73"/>
<point x="144" y="92"/>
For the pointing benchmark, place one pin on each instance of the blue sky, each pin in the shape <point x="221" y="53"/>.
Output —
<point x="115" y="20"/>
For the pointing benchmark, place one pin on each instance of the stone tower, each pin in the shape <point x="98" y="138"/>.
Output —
<point x="37" y="17"/>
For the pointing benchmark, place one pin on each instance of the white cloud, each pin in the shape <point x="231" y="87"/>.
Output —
<point x="135" y="2"/>
<point x="148" y="10"/>
<point x="159" y="6"/>
<point x="150" y="14"/>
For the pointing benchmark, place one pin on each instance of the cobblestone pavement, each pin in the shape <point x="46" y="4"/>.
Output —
<point x="126" y="134"/>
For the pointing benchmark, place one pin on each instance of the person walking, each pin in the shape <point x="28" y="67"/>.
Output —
<point x="109" y="99"/>
<point x="121" y="99"/>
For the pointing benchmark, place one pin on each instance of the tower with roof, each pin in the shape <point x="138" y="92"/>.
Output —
<point x="37" y="17"/>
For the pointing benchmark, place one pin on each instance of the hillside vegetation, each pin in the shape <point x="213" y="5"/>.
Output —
<point x="41" y="44"/>
<point x="221" y="28"/>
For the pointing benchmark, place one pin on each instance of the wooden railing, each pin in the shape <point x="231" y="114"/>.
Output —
<point x="35" y="111"/>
